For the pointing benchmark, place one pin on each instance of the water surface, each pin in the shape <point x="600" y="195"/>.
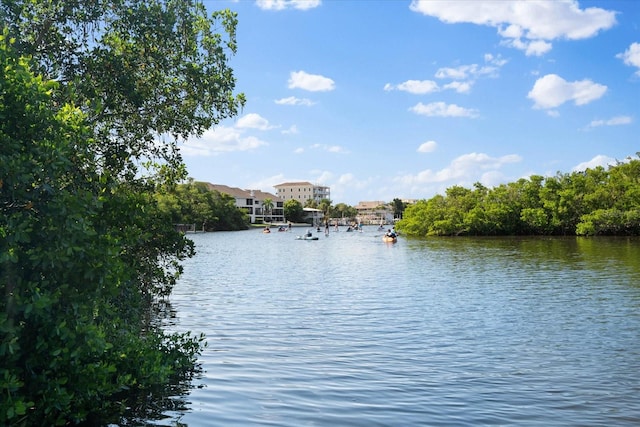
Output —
<point x="351" y="331"/>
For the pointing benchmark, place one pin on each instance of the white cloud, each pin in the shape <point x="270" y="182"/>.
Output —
<point x="253" y="121"/>
<point x="631" y="56"/>
<point x="535" y="48"/>
<point x="614" y="121"/>
<point x="525" y="24"/>
<point x="464" y="72"/>
<point x="347" y="183"/>
<point x="599" y="160"/>
<point x="321" y="177"/>
<point x="496" y="60"/>
<point x="440" y="109"/>
<point x="268" y="182"/>
<point x="463" y="77"/>
<point x="427" y="147"/>
<point x="460" y="87"/>
<point x="418" y="87"/>
<point x="219" y="140"/>
<point x="330" y="148"/>
<point x="310" y="82"/>
<point x="463" y="170"/>
<point x="292" y="130"/>
<point x="292" y="100"/>
<point x="287" y="4"/>
<point x="552" y="91"/>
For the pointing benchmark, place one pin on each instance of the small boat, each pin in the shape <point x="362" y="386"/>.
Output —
<point x="389" y="239"/>
<point x="306" y="238"/>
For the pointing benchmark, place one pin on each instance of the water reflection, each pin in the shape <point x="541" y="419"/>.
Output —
<point x="347" y="330"/>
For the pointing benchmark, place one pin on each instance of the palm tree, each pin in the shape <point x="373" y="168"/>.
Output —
<point x="325" y="207"/>
<point x="267" y="205"/>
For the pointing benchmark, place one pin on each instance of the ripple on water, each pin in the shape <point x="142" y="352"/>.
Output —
<point x="350" y="331"/>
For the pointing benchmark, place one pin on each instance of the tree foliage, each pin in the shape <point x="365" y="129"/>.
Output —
<point x="194" y="203"/>
<point x="293" y="211"/>
<point x="342" y="210"/>
<point x="141" y="70"/>
<point x="398" y="207"/>
<point x="597" y="201"/>
<point x="86" y="252"/>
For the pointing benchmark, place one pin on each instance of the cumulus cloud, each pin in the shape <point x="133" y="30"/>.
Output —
<point x="219" y="140"/>
<point x="440" y="109"/>
<point x="552" y="91"/>
<point x="268" y="182"/>
<point x="463" y="77"/>
<point x="292" y="100"/>
<point x="631" y="56"/>
<point x="310" y="82"/>
<point x="346" y="183"/>
<point x="288" y="4"/>
<point x="528" y="25"/>
<point x="463" y="170"/>
<point x="427" y="147"/>
<point x="253" y="121"/>
<point x="460" y="87"/>
<point x="599" y="160"/>
<point x="614" y="121"/>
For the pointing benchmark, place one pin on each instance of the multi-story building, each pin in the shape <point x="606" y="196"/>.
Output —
<point x="375" y="212"/>
<point x="302" y="191"/>
<point x="252" y="202"/>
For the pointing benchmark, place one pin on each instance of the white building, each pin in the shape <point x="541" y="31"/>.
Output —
<point x="252" y="202"/>
<point x="374" y="212"/>
<point x="302" y="191"/>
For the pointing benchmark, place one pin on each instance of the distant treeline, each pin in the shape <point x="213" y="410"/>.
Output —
<point x="597" y="201"/>
<point x="194" y="203"/>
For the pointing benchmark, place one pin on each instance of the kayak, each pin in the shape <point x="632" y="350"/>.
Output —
<point x="306" y="238"/>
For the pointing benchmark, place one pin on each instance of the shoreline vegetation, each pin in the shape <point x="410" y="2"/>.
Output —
<point x="593" y="202"/>
<point x="94" y="97"/>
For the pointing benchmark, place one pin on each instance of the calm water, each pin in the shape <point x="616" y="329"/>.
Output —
<point x="351" y="331"/>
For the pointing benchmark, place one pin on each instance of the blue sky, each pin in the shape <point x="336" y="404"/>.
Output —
<point x="385" y="99"/>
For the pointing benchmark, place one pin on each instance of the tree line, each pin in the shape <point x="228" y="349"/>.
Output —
<point x="94" y="97"/>
<point x="194" y="203"/>
<point x="596" y="201"/>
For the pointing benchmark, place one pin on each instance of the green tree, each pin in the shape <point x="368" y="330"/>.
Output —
<point x="293" y="211"/>
<point x="69" y="349"/>
<point x="325" y="207"/>
<point x="311" y="203"/>
<point x="86" y="251"/>
<point x="144" y="71"/>
<point x="267" y="205"/>
<point x="591" y="202"/>
<point x="398" y="207"/>
<point x="194" y="203"/>
<point x="344" y="211"/>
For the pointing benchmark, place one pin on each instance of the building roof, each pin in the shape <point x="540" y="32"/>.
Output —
<point x="293" y="184"/>
<point x="261" y="195"/>
<point x="370" y="205"/>
<point x="239" y="193"/>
